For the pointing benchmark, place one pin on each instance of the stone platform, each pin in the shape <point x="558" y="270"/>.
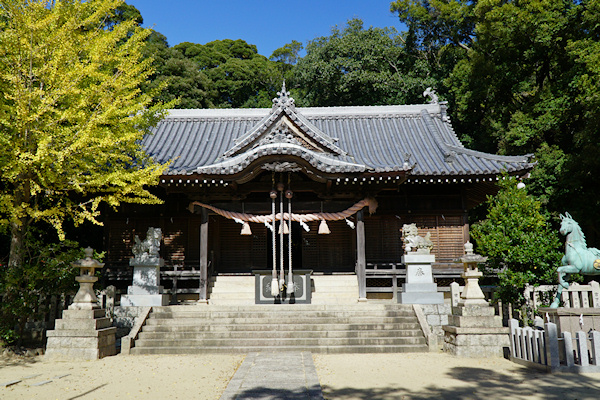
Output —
<point x="82" y="334"/>
<point x="475" y="331"/>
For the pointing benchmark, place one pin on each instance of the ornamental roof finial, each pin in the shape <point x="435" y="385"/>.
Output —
<point x="433" y="97"/>
<point x="283" y="99"/>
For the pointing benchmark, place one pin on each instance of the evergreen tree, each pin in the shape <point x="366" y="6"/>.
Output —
<point x="518" y="241"/>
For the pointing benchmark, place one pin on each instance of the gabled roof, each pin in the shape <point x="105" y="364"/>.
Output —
<point x="332" y="140"/>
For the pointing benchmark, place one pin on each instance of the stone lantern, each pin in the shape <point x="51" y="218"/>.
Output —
<point x="84" y="331"/>
<point x="473" y="329"/>
<point x="472" y="293"/>
<point x="85" y="299"/>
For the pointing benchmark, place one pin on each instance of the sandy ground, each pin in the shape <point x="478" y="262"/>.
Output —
<point x="342" y="377"/>
<point x="120" y="377"/>
<point x="418" y="376"/>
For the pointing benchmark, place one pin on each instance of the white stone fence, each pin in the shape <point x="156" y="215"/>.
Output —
<point x="545" y="350"/>
<point x="577" y="296"/>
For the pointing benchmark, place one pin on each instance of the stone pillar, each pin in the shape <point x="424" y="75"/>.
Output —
<point x="84" y="332"/>
<point x="473" y="329"/>
<point x="419" y="287"/>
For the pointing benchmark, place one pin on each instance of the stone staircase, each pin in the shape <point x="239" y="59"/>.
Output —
<point x="357" y="328"/>
<point x="326" y="289"/>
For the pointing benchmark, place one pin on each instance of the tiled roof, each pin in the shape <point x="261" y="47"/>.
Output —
<point x="370" y="139"/>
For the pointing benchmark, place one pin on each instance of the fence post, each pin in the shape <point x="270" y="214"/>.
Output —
<point x="528" y="337"/>
<point x="595" y="293"/>
<point x="568" y="340"/>
<point x="110" y="300"/>
<point x="541" y="345"/>
<point x="530" y="296"/>
<point x="455" y="293"/>
<point x="513" y="325"/>
<point x="595" y="339"/>
<point x="585" y="297"/>
<point x="582" y="349"/>
<point x="575" y="292"/>
<point x="552" y="354"/>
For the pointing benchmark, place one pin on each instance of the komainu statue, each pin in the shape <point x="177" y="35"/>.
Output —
<point x="578" y="258"/>
<point x="147" y="250"/>
<point x="414" y="242"/>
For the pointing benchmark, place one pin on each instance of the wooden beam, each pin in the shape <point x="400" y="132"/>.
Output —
<point x="360" y="257"/>
<point x="203" y="255"/>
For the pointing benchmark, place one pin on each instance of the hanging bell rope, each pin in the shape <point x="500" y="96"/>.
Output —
<point x="269" y="219"/>
<point x="281" y="234"/>
<point x="290" y="285"/>
<point x="274" y="283"/>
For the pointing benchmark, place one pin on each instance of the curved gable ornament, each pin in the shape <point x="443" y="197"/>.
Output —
<point x="283" y="100"/>
<point x="284" y="116"/>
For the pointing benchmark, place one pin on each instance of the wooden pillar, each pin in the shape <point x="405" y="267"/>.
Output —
<point x="361" y="262"/>
<point x="203" y="256"/>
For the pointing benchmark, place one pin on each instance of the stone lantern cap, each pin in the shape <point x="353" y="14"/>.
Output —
<point x="87" y="265"/>
<point x="470" y="257"/>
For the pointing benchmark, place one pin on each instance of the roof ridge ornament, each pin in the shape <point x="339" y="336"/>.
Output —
<point x="283" y="99"/>
<point x="433" y="97"/>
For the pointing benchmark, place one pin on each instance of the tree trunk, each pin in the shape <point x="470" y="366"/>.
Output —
<point x="17" y="232"/>
<point x="18" y="227"/>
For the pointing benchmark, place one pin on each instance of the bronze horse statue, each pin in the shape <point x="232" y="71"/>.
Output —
<point x="578" y="258"/>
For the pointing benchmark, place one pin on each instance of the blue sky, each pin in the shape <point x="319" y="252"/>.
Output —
<point x="267" y="24"/>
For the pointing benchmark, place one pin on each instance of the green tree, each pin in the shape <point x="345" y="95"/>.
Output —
<point x="239" y="76"/>
<point x="71" y="115"/>
<point x="286" y="58"/>
<point x="357" y="66"/>
<point x="180" y="77"/>
<point x="518" y="241"/>
<point x="525" y="80"/>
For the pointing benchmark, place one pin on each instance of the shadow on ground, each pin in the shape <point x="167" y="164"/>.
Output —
<point x="485" y="384"/>
<point x="266" y="393"/>
<point x="18" y="361"/>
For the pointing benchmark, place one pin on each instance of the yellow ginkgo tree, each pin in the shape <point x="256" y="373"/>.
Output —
<point x="72" y="115"/>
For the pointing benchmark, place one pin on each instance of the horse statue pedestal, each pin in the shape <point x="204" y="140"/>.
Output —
<point x="572" y="320"/>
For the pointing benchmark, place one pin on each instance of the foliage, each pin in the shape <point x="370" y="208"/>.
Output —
<point x="524" y="80"/>
<point x="46" y="271"/>
<point x="71" y="115"/>
<point x="357" y="66"/>
<point x="236" y="75"/>
<point x="286" y="58"/>
<point x="181" y="79"/>
<point x="518" y="240"/>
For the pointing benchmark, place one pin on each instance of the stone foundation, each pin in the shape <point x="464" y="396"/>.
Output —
<point x="82" y="334"/>
<point x="475" y="331"/>
<point x="437" y="316"/>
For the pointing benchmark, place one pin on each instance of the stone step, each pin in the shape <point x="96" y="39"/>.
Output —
<point x="322" y="328"/>
<point x="281" y="328"/>
<point x="300" y="320"/>
<point x="223" y="334"/>
<point x="286" y="307"/>
<point x="281" y="342"/>
<point x="281" y="315"/>
<point x="249" y="349"/>
<point x="327" y="289"/>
